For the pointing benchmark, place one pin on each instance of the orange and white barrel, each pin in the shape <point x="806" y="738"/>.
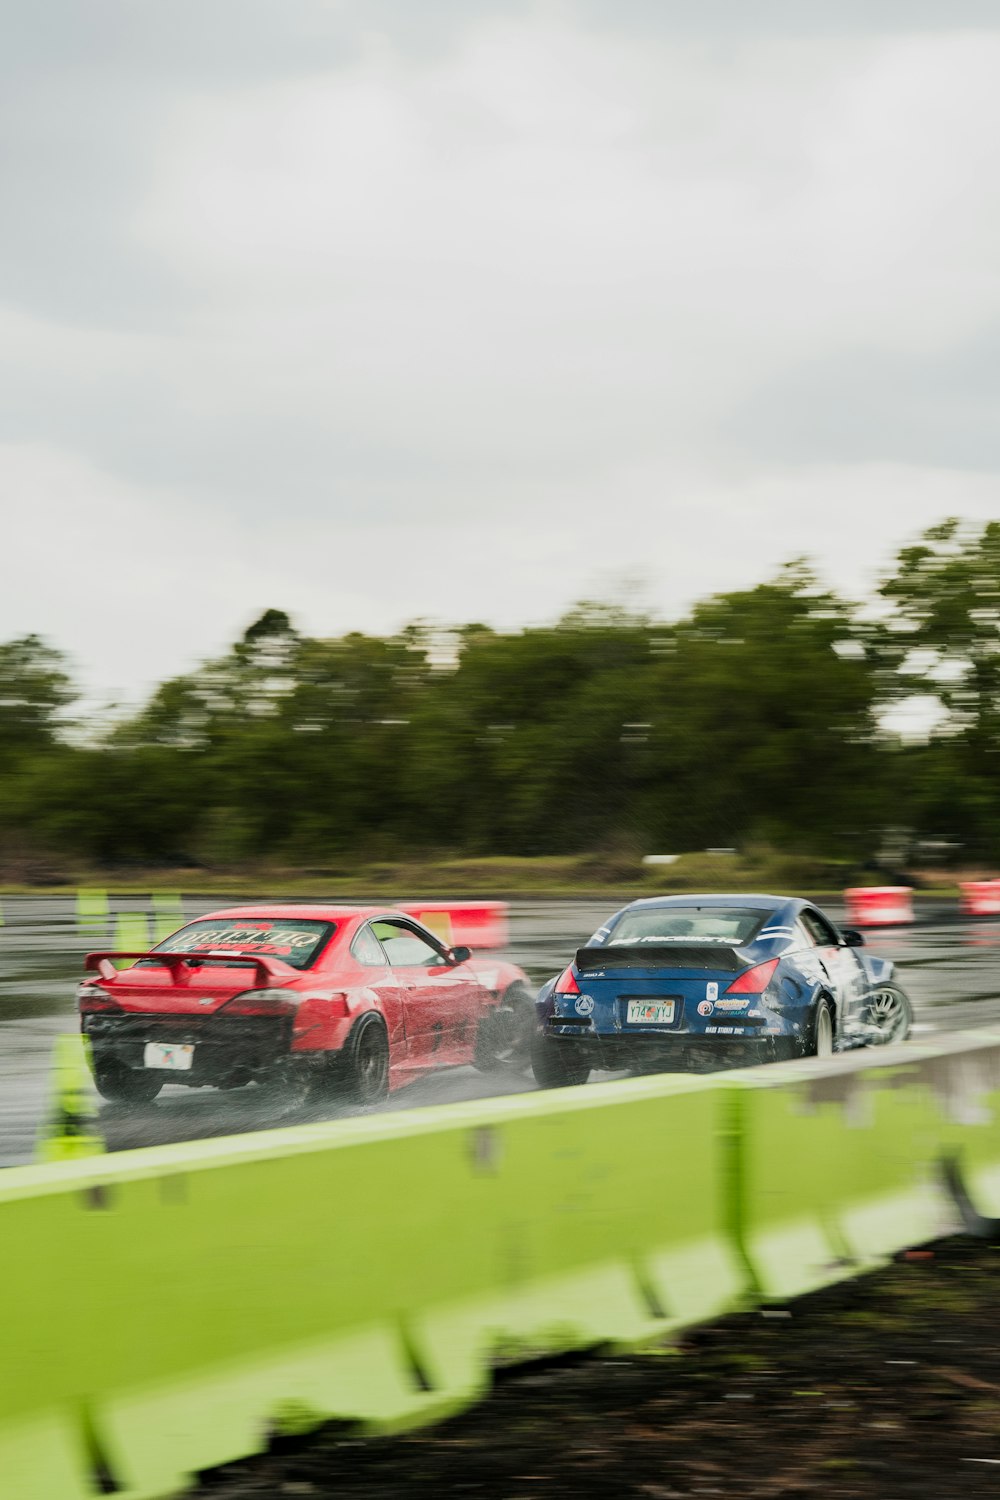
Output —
<point x="980" y="898"/>
<point x="879" y="905"/>
<point x="472" y="924"/>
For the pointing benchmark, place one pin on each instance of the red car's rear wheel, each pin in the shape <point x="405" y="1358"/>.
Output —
<point x="121" y="1085"/>
<point x="365" y="1063"/>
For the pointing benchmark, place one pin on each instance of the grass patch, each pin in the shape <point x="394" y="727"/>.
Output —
<point x="599" y="874"/>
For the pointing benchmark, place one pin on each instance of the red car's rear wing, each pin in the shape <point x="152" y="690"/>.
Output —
<point x="267" y="971"/>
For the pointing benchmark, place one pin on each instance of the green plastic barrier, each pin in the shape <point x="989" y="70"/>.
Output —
<point x="92" y="909"/>
<point x="840" y="1161"/>
<point x="168" y="914"/>
<point x="966" y="1084"/>
<point x="163" y="1307"/>
<point x="837" y="1170"/>
<point x="169" y="1304"/>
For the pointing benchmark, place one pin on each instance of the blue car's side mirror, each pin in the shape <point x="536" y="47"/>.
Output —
<point x="852" y="938"/>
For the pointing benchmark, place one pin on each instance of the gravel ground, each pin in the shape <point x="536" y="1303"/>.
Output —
<point x="886" y="1386"/>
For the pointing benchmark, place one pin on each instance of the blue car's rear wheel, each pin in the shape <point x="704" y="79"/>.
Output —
<point x="503" y="1043"/>
<point x="557" y="1065"/>
<point x="821" y="1032"/>
<point x="815" y="1039"/>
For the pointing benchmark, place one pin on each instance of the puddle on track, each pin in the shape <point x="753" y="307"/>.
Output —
<point x="950" y="968"/>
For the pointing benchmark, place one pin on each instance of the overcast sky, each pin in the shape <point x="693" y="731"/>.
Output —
<point x="374" y="311"/>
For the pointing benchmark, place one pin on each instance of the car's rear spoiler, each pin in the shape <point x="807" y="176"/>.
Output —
<point x="718" y="956"/>
<point x="267" y="971"/>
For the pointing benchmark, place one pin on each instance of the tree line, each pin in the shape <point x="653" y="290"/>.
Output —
<point x="763" y="715"/>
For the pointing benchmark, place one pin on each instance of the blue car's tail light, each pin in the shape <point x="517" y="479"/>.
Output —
<point x="754" y="981"/>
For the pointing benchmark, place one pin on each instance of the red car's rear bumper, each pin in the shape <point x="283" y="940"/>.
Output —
<point x="228" y="1050"/>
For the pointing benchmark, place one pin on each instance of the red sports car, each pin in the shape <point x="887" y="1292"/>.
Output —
<point x="308" y="999"/>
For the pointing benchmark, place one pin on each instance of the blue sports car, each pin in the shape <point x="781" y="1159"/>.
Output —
<point x="703" y="982"/>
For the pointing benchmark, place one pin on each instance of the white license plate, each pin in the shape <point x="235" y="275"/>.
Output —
<point x="650" y="1012"/>
<point x="176" y="1055"/>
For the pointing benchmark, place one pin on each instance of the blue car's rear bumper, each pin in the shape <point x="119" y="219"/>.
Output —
<point x="610" y="1020"/>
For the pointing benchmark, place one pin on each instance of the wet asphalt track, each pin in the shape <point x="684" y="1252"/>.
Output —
<point x="950" y="968"/>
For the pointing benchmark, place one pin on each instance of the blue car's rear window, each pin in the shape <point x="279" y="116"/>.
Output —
<point x="689" y="924"/>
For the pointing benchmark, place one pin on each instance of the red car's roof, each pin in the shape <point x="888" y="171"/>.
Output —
<point x="316" y="912"/>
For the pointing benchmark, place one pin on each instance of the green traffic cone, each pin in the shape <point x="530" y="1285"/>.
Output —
<point x="131" y="934"/>
<point x="168" y="914"/>
<point x="71" y="1129"/>
<point x="91" y="909"/>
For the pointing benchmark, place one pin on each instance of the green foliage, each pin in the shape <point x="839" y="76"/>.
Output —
<point x="34" y="689"/>
<point x="753" y="721"/>
<point x="943" y="639"/>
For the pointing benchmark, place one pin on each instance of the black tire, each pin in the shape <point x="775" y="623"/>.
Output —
<point x="289" y="1088"/>
<point x="121" y="1085"/>
<point x="891" y="1013"/>
<point x="556" y="1065"/>
<point x="821" y="1030"/>
<point x="364" y="1064"/>
<point x="503" y="1041"/>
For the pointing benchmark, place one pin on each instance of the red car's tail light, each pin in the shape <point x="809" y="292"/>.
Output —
<point x="262" y="1003"/>
<point x="754" y="981"/>
<point x="566" y="983"/>
<point x="92" y="997"/>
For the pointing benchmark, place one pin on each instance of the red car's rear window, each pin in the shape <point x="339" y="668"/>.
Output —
<point x="296" y="941"/>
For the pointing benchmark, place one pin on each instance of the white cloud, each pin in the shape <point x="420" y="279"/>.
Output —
<point x="144" y="583"/>
<point x="140" y="582"/>
<point x="461" y="333"/>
